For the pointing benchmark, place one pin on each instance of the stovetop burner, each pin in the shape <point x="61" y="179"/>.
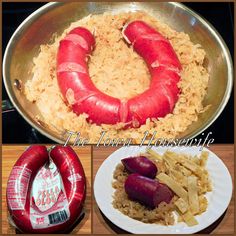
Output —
<point x="16" y="130"/>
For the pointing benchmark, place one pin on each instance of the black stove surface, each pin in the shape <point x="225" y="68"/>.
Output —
<point x="17" y="130"/>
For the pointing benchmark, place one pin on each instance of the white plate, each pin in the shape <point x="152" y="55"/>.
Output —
<point x="218" y="199"/>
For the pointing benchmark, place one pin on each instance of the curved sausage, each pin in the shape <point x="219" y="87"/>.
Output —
<point x="147" y="191"/>
<point x="141" y="165"/>
<point x="80" y="92"/>
<point x="23" y="174"/>
<point x="75" y="83"/>
<point x="164" y="68"/>
<point x="73" y="178"/>
<point x="21" y="180"/>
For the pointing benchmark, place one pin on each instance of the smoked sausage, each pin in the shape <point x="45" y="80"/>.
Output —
<point x="75" y="83"/>
<point x="164" y="68"/>
<point x="147" y="191"/>
<point x="141" y="165"/>
<point x="82" y="95"/>
<point x="24" y="211"/>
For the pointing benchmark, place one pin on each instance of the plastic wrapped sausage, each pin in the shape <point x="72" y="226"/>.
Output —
<point x="46" y="194"/>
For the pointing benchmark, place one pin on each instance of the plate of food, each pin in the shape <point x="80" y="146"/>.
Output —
<point x="178" y="190"/>
<point x="122" y="68"/>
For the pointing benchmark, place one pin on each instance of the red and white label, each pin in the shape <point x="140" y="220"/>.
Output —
<point x="48" y="205"/>
<point x="17" y="187"/>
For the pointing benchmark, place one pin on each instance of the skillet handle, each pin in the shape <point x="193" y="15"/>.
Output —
<point x="7" y="106"/>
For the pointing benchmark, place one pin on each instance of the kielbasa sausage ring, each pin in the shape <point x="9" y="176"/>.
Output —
<point x="24" y="213"/>
<point x="79" y="91"/>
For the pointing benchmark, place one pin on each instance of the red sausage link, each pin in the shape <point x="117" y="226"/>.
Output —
<point x="141" y="165"/>
<point x="164" y="67"/>
<point x="147" y="191"/>
<point x="73" y="179"/>
<point x="75" y="83"/>
<point x="80" y="92"/>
